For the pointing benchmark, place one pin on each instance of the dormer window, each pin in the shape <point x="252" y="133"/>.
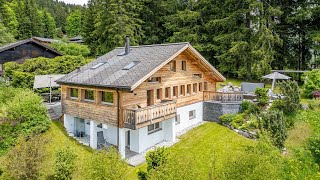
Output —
<point x="184" y="65"/>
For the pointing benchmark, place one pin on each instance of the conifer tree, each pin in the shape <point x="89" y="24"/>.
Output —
<point x="5" y="37"/>
<point x="73" y="26"/>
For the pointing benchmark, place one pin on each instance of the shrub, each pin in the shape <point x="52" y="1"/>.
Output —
<point x="311" y="82"/>
<point x="106" y="165"/>
<point x="156" y="157"/>
<point x="262" y="96"/>
<point x="24" y="160"/>
<point x="291" y="101"/>
<point x="254" y="109"/>
<point x="64" y="164"/>
<point x="238" y="120"/>
<point x="273" y="122"/>
<point x="72" y="49"/>
<point x="314" y="147"/>
<point x="245" y="105"/>
<point x="227" y="118"/>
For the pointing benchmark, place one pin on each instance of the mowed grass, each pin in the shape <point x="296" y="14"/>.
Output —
<point x="207" y="143"/>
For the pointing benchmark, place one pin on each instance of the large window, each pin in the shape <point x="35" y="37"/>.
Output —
<point x="188" y="89"/>
<point x="182" y="90"/>
<point x="159" y="94"/>
<point x="89" y="95"/>
<point x="154" y="127"/>
<point x="183" y="65"/>
<point x="192" y="114"/>
<point x="205" y="84"/>
<point x="107" y="97"/>
<point x="167" y="92"/>
<point x="173" y="66"/>
<point x="175" y="91"/>
<point x="195" y="88"/>
<point x="74" y="93"/>
<point x="200" y="87"/>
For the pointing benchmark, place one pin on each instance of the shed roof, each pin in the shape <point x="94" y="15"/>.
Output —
<point x="22" y="42"/>
<point x="109" y="70"/>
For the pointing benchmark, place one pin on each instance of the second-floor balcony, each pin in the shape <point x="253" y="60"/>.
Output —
<point x="141" y="117"/>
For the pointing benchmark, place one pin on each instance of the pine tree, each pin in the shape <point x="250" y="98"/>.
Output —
<point x="5" y="37"/>
<point x="115" y="20"/>
<point x="9" y="19"/>
<point x="73" y="26"/>
<point x="89" y="16"/>
<point x="49" y="25"/>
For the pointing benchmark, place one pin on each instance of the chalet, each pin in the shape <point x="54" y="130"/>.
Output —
<point x="25" y="49"/>
<point x="136" y="97"/>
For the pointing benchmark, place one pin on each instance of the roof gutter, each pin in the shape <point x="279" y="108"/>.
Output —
<point x="124" y="88"/>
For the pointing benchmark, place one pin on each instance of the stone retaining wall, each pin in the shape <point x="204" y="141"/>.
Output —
<point x="212" y="110"/>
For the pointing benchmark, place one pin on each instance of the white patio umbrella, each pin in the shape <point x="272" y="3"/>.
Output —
<point x="274" y="76"/>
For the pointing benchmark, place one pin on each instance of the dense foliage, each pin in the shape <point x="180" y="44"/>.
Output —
<point x="291" y="100"/>
<point x="262" y="96"/>
<point x="22" y="75"/>
<point x="72" y="49"/>
<point x="311" y="82"/>
<point x="24" y="160"/>
<point x="5" y="37"/>
<point x="73" y="27"/>
<point x="64" y="164"/>
<point x="242" y="38"/>
<point x="21" y="114"/>
<point x="106" y="165"/>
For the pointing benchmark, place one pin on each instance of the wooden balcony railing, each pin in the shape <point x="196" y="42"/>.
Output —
<point x="222" y="96"/>
<point x="137" y="118"/>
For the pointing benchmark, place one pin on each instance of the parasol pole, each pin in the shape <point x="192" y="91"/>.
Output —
<point x="273" y="82"/>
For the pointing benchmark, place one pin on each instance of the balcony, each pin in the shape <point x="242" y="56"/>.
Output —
<point x="141" y="117"/>
<point x="222" y="96"/>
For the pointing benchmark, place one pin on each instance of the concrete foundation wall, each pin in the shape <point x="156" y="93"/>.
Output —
<point x="213" y="110"/>
<point x="183" y="112"/>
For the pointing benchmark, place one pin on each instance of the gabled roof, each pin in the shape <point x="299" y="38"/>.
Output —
<point x="22" y="42"/>
<point x="46" y="40"/>
<point x="109" y="70"/>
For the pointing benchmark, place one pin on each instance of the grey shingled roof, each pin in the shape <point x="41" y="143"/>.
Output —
<point x="19" y="43"/>
<point x="46" y="40"/>
<point x="112" y="75"/>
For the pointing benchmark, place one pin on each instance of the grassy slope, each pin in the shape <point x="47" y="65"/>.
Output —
<point x="205" y="143"/>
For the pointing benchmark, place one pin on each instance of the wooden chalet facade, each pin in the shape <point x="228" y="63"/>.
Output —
<point x="21" y="50"/>
<point x="146" y="94"/>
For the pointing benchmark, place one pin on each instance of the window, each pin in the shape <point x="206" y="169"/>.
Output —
<point x="154" y="79"/>
<point x="175" y="91"/>
<point x="205" y="86"/>
<point x="198" y="75"/>
<point x="131" y="65"/>
<point x="195" y="88"/>
<point x="192" y="114"/>
<point x="89" y="95"/>
<point x="159" y="94"/>
<point x="167" y="92"/>
<point x="173" y="65"/>
<point x="107" y="97"/>
<point x="178" y="119"/>
<point x="184" y="65"/>
<point x="182" y="90"/>
<point x="188" y="89"/>
<point x="74" y="93"/>
<point x="154" y="127"/>
<point x="200" y="87"/>
<point x="97" y="65"/>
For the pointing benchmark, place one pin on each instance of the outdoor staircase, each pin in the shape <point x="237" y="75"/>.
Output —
<point x="54" y="111"/>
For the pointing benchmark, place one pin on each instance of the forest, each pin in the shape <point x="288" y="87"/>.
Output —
<point x="243" y="39"/>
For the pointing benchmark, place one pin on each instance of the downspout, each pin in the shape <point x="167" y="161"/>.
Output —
<point x="118" y="118"/>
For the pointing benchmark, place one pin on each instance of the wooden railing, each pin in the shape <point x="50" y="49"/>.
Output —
<point x="136" y="117"/>
<point x="222" y="96"/>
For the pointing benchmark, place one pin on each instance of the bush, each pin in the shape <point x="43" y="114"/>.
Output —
<point x="236" y="120"/>
<point x="64" y="164"/>
<point x="22" y="75"/>
<point x="311" y="82"/>
<point x="24" y="160"/>
<point x="273" y="122"/>
<point x="291" y="101"/>
<point x="22" y="114"/>
<point x="72" y="49"/>
<point x="156" y="157"/>
<point x="245" y="105"/>
<point x="262" y="96"/>
<point x="314" y="147"/>
<point x="106" y="165"/>
<point x="227" y="118"/>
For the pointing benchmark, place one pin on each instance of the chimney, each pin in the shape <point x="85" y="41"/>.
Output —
<point x="127" y="46"/>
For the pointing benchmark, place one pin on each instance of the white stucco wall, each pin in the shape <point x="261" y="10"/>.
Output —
<point x="140" y="140"/>
<point x="184" y="116"/>
<point x="68" y="123"/>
